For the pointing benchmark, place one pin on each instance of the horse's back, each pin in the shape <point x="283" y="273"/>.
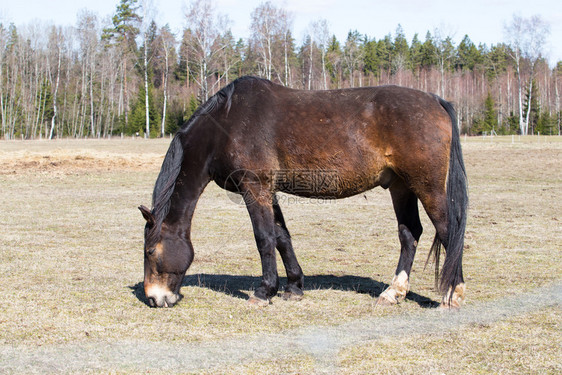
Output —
<point x="364" y="136"/>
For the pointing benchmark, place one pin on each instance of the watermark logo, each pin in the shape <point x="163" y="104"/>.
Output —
<point x="243" y="186"/>
<point x="246" y="186"/>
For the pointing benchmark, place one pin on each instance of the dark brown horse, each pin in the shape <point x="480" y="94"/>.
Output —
<point x="257" y="138"/>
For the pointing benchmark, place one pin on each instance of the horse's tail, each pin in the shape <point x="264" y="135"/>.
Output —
<point x="457" y="204"/>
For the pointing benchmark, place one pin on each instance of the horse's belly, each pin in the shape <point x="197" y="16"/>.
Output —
<point x="330" y="184"/>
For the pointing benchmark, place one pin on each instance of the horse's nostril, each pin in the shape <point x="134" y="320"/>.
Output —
<point x="151" y="301"/>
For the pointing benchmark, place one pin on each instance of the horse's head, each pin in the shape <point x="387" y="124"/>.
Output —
<point x="167" y="256"/>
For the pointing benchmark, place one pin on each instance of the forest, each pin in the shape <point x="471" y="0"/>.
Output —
<point x="128" y="76"/>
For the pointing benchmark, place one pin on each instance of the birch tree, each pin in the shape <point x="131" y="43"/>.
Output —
<point x="527" y="38"/>
<point x="321" y="35"/>
<point x="557" y="72"/>
<point x="56" y="43"/>
<point x="3" y="44"/>
<point x="286" y="20"/>
<point x="167" y="43"/>
<point x="206" y="27"/>
<point x="89" y="37"/>
<point x="122" y="36"/>
<point x="147" y="21"/>
<point x="444" y="53"/>
<point x="264" y="25"/>
<point x="352" y="54"/>
<point x="270" y="28"/>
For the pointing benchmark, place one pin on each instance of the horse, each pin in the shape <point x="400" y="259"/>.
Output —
<point x="256" y="138"/>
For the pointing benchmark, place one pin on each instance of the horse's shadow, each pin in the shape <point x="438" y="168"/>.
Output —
<point x="238" y="286"/>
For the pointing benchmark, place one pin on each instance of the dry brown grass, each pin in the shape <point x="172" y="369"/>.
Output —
<point x="71" y="259"/>
<point x="527" y="344"/>
<point x="69" y="156"/>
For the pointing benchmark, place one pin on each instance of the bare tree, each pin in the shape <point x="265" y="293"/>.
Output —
<point x="3" y="43"/>
<point x="322" y="39"/>
<point x="527" y="38"/>
<point x="334" y="57"/>
<point x="286" y="20"/>
<point x="56" y="44"/>
<point x="109" y="82"/>
<point x="310" y="59"/>
<point x="227" y="58"/>
<point x="88" y="30"/>
<point x="147" y="19"/>
<point x="168" y="44"/>
<point x="444" y="52"/>
<point x="206" y="27"/>
<point x="270" y="27"/>
<point x="352" y="54"/>
<point x="35" y="70"/>
<point x="264" y="24"/>
<point x="121" y="35"/>
<point x="557" y="72"/>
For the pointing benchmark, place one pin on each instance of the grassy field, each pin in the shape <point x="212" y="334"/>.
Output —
<point x="71" y="270"/>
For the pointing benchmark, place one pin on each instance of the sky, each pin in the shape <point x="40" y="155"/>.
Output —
<point x="482" y="20"/>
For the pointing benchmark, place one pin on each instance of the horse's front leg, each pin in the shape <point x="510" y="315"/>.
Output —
<point x="262" y="217"/>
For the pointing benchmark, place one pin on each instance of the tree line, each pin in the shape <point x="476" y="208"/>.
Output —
<point x="129" y="76"/>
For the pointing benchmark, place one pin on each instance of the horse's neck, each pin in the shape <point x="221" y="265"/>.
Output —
<point x="189" y="186"/>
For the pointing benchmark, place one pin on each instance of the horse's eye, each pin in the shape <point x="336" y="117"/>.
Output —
<point x="151" y="251"/>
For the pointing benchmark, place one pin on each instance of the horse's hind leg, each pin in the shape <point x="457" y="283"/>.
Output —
<point x="409" y="231"/>
<point x="295" y="277"/>
<point x="435" y="205"/>
<point x="436" y="209"/>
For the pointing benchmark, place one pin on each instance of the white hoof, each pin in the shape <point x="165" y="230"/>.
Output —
<point x="396" y="292"/>
<point x="457" y="300"/>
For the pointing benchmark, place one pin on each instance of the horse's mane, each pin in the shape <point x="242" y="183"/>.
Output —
<point x="171" y="166"/>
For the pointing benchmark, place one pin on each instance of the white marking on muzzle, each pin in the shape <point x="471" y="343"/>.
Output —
<point x="161" y="296"/>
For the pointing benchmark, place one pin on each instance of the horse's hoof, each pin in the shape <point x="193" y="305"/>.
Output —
<point x="456" y="301"/>
<point x="290" y="296"/>
<point x="448" y="307"/>
<point x="387" y="298"/>
<point x="453" y="305"/>
<point x="384" y="301"/>
<point x="258" y="302"/>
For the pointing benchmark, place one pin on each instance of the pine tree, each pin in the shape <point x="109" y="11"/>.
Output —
<point x="125" y="25"/>
<point x="546" y="124"/>
<point x="182" y="69"/>
<point x="428" y="52"/>
<point x="353" y="55"/>
<point x="495" y="61"/>
<point x="490" y="113"/>
<point x="400" y="51"/>
<point x="468" y="56"/>
<point x="371" y="58"/>
<point x="334" y="61"/>
<point x="47" y="107"/>
<point x="123" y="37"/>
<point x="487" y="122"/>
<point x="416" y="53"/>
<point x="384" y="53"/>
<point x="137" y="120"/>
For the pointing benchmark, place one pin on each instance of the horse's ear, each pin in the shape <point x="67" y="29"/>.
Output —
<point x="147" y="214"/>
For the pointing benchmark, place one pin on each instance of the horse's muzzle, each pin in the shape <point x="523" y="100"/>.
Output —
<point x="158" y="297"/>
